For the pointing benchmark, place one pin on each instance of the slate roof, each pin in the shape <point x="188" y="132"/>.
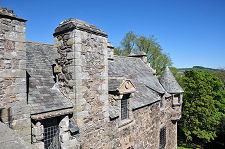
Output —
<point x="146" y="83"/>
<point x="169" y="82"/>
<point x="41" y="97"/>
<point x="114" y="84"/>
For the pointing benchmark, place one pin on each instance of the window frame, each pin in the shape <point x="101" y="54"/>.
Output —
<point x="162" y="137"/>
<point x="177" y="99"/>
<point x="124" y="108"/>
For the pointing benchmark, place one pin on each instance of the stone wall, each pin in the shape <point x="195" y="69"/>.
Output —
<point x="143" y="130"/>
<point x="13" y="99"/>
<point x="9" y="139"/>
<point x="12" y="59"/>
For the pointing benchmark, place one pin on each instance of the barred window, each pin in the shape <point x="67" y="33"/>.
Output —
<point x="162" y="138"/>
<point x="124" y="107"/>
<point x="51" y="134"/>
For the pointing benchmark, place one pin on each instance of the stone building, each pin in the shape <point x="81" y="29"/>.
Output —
<point x="77" y="94"/>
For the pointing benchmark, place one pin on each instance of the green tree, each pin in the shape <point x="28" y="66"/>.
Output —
<point x="201" y="113"/>
<point x="220" y="74"/>
<point x="118" y="51"/>
<point x="133" y="43"/>
<point x="128" y="43"/>
<point x="178" y="75"/>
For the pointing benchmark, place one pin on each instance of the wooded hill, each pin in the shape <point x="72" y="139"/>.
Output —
<point x="200" y="68"/>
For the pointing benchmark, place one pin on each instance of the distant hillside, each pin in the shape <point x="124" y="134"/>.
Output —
<point x="199" y="68"/>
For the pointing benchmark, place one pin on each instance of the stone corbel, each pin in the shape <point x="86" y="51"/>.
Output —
<point x="57" y="69"/>
<point x="37" y="132"/>
<point x="118" y="97"/>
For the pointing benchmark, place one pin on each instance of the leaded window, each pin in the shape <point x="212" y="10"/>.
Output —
<point x="162" y="138"/>
<point x="51" y="134"/>
<point x="124" y="107"/>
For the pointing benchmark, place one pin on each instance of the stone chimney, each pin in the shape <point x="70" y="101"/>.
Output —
<point x="15" y="111"/>
<point x="110" y="51"/>
<point x="83" y="56"/>
<point x="142" y="55"/>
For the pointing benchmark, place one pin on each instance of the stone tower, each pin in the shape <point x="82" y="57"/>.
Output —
<point x="14" y="110"/>
<point x="82" y="70"/>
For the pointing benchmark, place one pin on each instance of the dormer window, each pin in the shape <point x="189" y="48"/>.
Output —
<point x="121" y="92"/>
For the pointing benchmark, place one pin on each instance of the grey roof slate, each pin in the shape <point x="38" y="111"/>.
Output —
<point x="146" y="83"/>
<point x="169" y="82"/>
<point x="113" y="112"/>
<point x="41" y="97"/>
<point x="114" y="84"/>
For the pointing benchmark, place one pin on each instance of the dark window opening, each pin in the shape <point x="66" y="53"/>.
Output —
<point x="27" y="84"/>
<point x="162" y="138"/>
<point x="161" y="103"/>
<point x="54" y="73"/>
<point x="124" y="107"/>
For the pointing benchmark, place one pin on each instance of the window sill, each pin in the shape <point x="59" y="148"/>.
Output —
<point x="125" y="122"/>
<point x="176" y="104"/>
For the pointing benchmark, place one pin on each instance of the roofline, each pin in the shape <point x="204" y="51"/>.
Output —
<point x="134" y="109"/>
<point x="155" y="90"/>
<point x="12" y="17"/>
<point x="49" y="114"/>
<point x="176" y="92"/>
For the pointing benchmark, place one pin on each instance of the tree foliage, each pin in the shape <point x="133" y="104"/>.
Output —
<point x="220" y="74"/>
<point x="133" y="43"/>
<point x="178" y="75"/>
<point x="203" y="105"/>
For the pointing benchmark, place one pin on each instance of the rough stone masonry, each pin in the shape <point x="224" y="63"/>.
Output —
<point x="13" y="73"/>
<point x="76" y="94"/>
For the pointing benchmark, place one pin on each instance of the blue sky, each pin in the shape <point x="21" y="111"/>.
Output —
<point x="191" y="31"/>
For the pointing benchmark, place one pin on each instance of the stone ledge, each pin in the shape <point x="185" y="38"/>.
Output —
<point x="16" y="73"/>
<point x="51" y="114"/>
<point x="72" y="24"/>
<point x="12" y="17"/>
